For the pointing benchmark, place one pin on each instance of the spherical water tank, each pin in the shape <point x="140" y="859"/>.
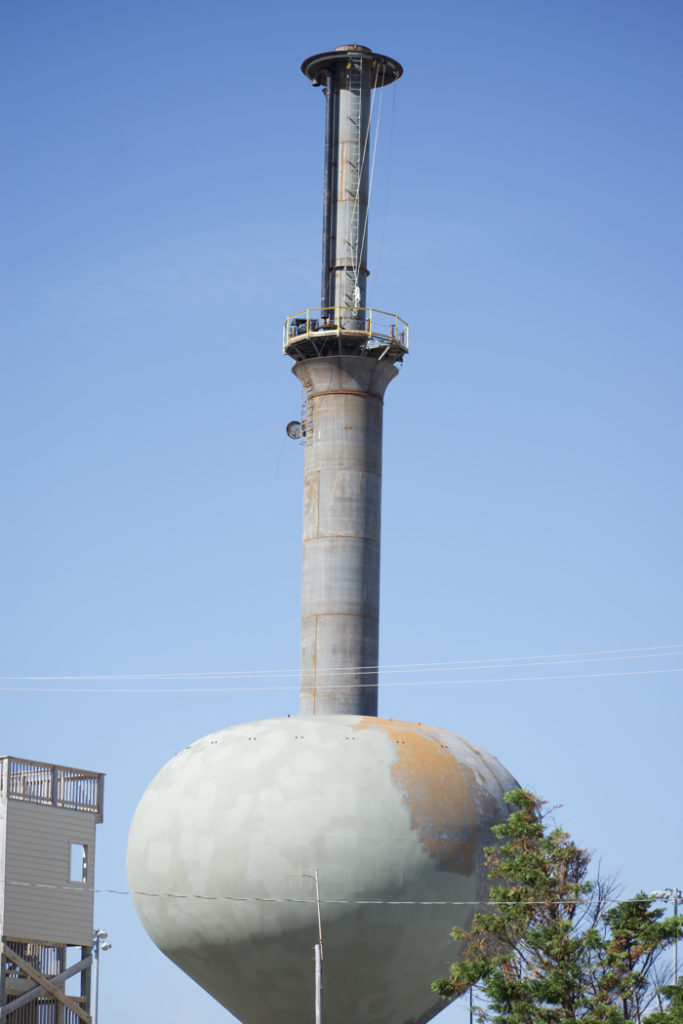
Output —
<point x="393" y="816"/>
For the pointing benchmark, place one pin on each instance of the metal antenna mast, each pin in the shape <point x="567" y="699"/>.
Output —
<point x="348" y="75"/>
<point x="345" y="356"/>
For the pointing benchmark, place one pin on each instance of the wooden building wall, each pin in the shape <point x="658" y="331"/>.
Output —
<point x="41" y="903"/>
<point x="3" y="817"/>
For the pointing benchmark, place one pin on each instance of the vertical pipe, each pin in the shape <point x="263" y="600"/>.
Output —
<point x="341" y="544"/>
<point x="326" y="296"/>
<point x="318" y="986"/>
<point x="95" y="979"/>
<point x="351" y="149"/>
<point x="318" y="958"/>
<point x="676" y="897"/>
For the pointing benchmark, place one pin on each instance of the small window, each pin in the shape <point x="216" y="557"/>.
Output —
<point x="78" y="868"/>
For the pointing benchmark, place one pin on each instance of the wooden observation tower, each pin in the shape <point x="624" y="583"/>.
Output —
<point x="48" y="815"/>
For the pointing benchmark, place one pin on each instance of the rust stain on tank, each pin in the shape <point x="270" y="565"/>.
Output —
<point x="311" y="505"/>
<point x="435" y="787"/>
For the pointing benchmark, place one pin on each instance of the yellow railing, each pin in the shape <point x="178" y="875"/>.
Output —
<point x="366" y="324"/>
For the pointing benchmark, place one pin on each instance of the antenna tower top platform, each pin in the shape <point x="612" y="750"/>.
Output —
<point x="385" y="70"/>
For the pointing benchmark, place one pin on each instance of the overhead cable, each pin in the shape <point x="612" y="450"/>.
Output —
<point x="416" y="683"/>
<point x="332" y="900"/>
<point x="511" y="661"/>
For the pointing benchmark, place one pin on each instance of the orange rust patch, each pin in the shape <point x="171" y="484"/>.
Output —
<point x="311" y="504"/>
<point x="435" y="788"/>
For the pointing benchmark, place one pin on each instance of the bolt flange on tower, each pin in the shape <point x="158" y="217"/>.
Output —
<point x="257" y="839"/>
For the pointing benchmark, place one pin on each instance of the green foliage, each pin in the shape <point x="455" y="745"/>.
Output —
<point x="552" y="946"/>
<point x="673" y="994"/>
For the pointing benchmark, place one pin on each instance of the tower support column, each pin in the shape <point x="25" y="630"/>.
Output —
<point x="341" y="541"/>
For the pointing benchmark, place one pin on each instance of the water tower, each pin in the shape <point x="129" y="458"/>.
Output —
<point x="388" y="818"/>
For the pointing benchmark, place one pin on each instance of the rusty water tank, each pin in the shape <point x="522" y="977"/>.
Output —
<point x="392" y="815"/>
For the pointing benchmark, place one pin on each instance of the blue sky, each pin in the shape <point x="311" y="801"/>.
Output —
<point x="161" y="207"/>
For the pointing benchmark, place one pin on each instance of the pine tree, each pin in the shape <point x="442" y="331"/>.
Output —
<point x="553" y="946"/>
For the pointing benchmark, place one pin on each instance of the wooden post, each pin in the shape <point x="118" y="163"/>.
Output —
<point x="3" y="972"/>
<point x="61" y="966"/>
<point x="86" y="977"/>
<point x="46" y="984"/>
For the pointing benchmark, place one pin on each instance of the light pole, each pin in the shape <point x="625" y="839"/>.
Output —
<point x="98" y="943"/>
<point x="318" y="949"/>
<point x="674" y="896"/>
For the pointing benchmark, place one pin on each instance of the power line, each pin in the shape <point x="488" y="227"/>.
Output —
<point x="417" y="683"/>
<point x="332" y="900"/>
<point x="512" y="661"/>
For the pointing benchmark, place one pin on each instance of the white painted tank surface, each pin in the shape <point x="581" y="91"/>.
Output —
<point x="224" y="847"/>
